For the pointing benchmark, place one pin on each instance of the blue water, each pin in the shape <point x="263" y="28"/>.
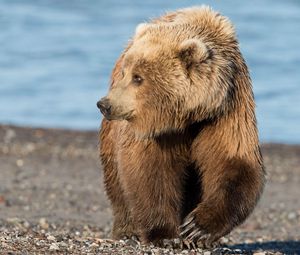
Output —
<point x="56" y="57"/>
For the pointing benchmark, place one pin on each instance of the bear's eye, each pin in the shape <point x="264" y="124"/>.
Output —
<point x="137" y="79"/>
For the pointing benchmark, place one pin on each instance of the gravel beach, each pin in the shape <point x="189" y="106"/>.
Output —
<point x="52" y="200"/>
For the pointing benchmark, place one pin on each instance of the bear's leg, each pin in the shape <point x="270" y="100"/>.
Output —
<point x="153" y="183"/>
<point x="230" y="191"/>
<point x="122" y="226"/>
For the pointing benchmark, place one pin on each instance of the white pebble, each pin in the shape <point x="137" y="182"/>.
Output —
<point x="54" y="247"/>
<point x="63" y="244"/>
<point x="292" y="216"/>
<point x="51" y="238"/>
<point x="20" y="162"/>
<point x="43" y="223"/>
<point x="26" y="224"/>
<point x="94" y="245"/>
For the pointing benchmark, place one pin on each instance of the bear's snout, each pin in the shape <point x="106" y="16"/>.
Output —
<point x="105" y="107"/>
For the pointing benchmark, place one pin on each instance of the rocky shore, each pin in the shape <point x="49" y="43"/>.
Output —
<point x="52" y="200"/>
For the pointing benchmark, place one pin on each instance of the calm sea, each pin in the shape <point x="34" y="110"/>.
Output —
<point x="56" y="57"/>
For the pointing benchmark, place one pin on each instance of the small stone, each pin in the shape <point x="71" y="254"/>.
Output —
<point x="259" y="253"/>
<point x="94" y="245"/>
<point x="52" y="196"/>
<point x="151" y="245"/>
<point x="43" y="223"/>
<point x="26" y="224"/>
<point x="239" y="251"/>
<point x="260" y="240"/>
<point x="54" y="247"/>
<point x="248" y="241"/>
<point x="167" y="243"/>
<point x="207" y="253"/>
<point x="292" y="216"/>
<point x="122" y="242"/>
<point x="51" y="238"/>
<point x="63" y="244"/>
<point x="30" y="147"/>
<point x="225" y="240"/>
<point x="177" y="243"/>
<point x="20" y="162"/>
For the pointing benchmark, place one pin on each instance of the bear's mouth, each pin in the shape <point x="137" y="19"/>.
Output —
<point x="124" y="116"/>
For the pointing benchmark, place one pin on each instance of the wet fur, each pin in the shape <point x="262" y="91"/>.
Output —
<point x="202" y="171"/>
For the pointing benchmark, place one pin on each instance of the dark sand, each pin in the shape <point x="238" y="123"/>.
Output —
<point x="52" y="199"/>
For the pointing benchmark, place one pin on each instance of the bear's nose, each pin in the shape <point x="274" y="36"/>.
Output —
<point x="104" y="106"/>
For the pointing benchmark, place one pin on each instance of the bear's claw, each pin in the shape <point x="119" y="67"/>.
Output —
<point x="187" y="221"/>
<point x="187" y="229"/>
<point x="191" y="233"/>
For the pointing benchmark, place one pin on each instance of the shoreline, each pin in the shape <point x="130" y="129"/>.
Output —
<point x="52" y="195"/>
<point x="91" y="130"/>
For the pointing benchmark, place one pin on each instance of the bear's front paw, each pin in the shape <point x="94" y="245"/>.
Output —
<point x="192" y="233"/>
<point x="202" y="229"/>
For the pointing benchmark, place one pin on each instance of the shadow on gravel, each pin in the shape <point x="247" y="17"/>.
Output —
<point x="286" y="247"/>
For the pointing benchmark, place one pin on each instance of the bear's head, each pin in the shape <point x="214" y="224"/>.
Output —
<point x="174" y="73"/>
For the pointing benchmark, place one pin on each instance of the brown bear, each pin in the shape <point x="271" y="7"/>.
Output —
<point x="179" y="142"/>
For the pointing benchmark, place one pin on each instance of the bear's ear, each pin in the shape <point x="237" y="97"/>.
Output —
<point x="141" y="28"/>
<point x="193" y="51"/>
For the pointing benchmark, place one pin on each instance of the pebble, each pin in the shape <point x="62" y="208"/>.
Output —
<point x="225" y="240"/>
<point x="26" y="224"/>
<point x="260" y="240"/>
<point x="43" y="223"/>
<point x="51" y="238"/>
<point x="239" y="251"/>
<point x="63" y="244"/>
<point x="94" y="245"/>
<point x="248" y="241"/>
<point x="207" y="253"/>
<point x="54" y="247"/>
<point x="167" y="243"/>
<point x="292" y="216"/>
<point x="20" y="162"/>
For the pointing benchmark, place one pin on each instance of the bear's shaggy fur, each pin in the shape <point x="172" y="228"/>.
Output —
<point x="179" y="144"/>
